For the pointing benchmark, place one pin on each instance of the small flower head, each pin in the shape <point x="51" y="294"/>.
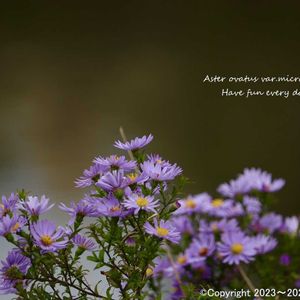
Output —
<point x="252" y="205"/>
<point x="264" y="243"/>
<point x="12" y="224"/>
<point x="135" y="144"/>
<point x="83" y="242"/>
<point x="158" y="172"/>
<point x="12" y="271"/>
<point x="90" y="176"/>
<point x="114" y="162"/>
<point x="139" y="202"/>
<point x="285" y="260"/>
<point x="9" y="204"/>
<point x="193" y="204"/>
<point x="163" y="229"/>
<point x="235" y="248"/>
<point x="112" y="181"/>
<point x="269" y="223"/>
<point x="110" y="207"/>
<point x="291" y="225"/>
<point x="35" y="207"/>
<point x="47" y="237"/>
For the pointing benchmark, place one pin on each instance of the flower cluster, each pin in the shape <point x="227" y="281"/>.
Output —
<point x="233" y="231"/>
<point x="137" y="229"/>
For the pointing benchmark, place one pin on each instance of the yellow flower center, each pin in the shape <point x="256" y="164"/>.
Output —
<point x="46" y="240"/>
<point x="115" y="208"/>
<point x="15" y="227"/>
<point x="190" y="203"/>
<point x="181" y="259"/>
<point x="142" y="202"/>
<point x="237" y="248"/>
<point x="203" y="251"/>
<point x="149" y="272"/>
<point x="217" y="202"/>
<point x="2" y="206"/>
<point x="132" y="176"/>
<point x="158" y="161"/>
<point x="162" y="231"/>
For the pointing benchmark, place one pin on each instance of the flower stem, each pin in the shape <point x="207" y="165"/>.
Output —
<point x="247" y="279"/>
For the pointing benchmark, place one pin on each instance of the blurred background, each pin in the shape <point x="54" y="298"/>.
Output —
<point x="72" y="72"/>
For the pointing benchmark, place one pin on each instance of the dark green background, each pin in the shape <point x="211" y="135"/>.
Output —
<point x="72" y="72"/>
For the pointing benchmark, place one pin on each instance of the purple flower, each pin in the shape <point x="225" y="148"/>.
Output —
<point x="112" y="181"/>
<point x="82" y="208"/>
<point x="110" y="207"/>
<point x="264" y="243"/>
<point x="12" y="272"/>
<point x="90" y="176"/>
<point x="235" y="248"/>
<point x="34" y="206"/>
<point x="12" y="224"/>
<point x="252" y="204"/>
<point x="115" y="162"/>
<point x="47" y="237"/>
<point x="285" y="260"/>
<point x="157" y="172"/>
<point x="224" y="225"/>
<point x="83" y="242"/>
<point x="291" y="225"/>
<point x="135" y="144"/>
<point x="200" y="248"/>
<point x="269" y="223"/>
<point x="163" y="229"/>
<point x="251" y="179"/>
<point x="138" y="203"/>
<point x="193" y="204"/>
<point x="183" y="224"/>
<point x="9" y="204"/>
<point x="223" y="208"/>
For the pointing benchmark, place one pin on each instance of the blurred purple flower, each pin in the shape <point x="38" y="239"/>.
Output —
<point x="193" y="204"/>
<point x="285" y="260"/>
<point x="112" y="181"/>
<point x="264" y="243"/>
<point x="236" y="247"/>
<point x="135" y="144"/>
<point x="90" y="176"/>
<point x="163" y="229"/>
<point x="12" y="224"/>
<point x="9" y="204"/>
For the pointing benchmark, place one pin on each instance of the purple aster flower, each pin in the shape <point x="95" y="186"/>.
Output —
<point x="224" y="225"/>
<point x="115" y="162"/>
<point x="163" y="229"/>
<point x="34" y="206"/>
<point x="12" y="272"/>
<point x="135" y="144"/>
<point x="264" y="243"/>
<point x="82" y="208"/>
<point x="192" y="204"/>
<point x="47" y="237"/>
<point x="134" y="177"/>
<point x="163" y="267"/>
<point x="138" y="203"/>
<point x="251" y="179"/>
<point x="269" y="223"/>
<point x="200" y="248"/>
<point x="223" y="208"/>
<point x="110" y="207"/>
<point x="12" y="224"/>
<point x="252" y="205"/>
<point x="112" y="181"/>
<point x="291" y="225"/>
<point x="83" y="242"/>
<point x="157" y="159"/>
<point x="9" y="204"/>
<point x="183" y="224"/>
<point x="90" y="176"/>
<point x="235" y="248"/>
<point x="285" y="260"/>
<point x="158" y="172"/>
